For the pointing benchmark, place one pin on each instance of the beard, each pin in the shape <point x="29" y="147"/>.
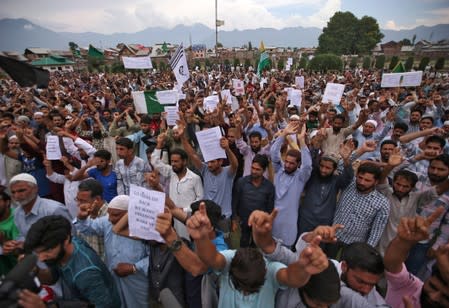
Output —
<point x="57" y="259"/>
<point x="436" y="179"/>
<point x="97" y="135"/>
<point x="363" y="189"/>
<point x="25" y="201"/>
<point x="336" y="130"/>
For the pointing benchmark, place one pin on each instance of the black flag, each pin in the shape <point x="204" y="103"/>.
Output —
<point x="25" y="74"/>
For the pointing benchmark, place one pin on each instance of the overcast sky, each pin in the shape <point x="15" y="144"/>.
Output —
<point x="109" y="16"/>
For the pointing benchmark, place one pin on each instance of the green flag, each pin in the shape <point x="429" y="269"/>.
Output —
<point x="399" y="68"/>
<point x="147" y="102"/>
<point x="76" y="52"/>
<point x="94" y="52"/>
<point x="164" y="48"/>
<point x="264" y="61"/>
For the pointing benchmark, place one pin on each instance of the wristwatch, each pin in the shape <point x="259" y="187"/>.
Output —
<point x="175" y="245"/>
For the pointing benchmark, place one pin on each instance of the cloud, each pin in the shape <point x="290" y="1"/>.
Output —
<point x="435" y="17"/>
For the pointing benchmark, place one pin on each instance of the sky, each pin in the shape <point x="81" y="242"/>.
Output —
<point x="112" y="16"/>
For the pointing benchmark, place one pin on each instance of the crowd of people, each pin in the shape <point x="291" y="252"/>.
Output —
<point x="317" y="203"/>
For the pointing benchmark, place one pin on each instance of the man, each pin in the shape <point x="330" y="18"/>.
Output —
<point x="130" y="169"/>
<point x="90" y="192"/>
<point x="437" y="174"/>
<point x="362" y="210"/>
<point x="147" y="131"/>
<point x="103" y="173"/>
<point x="84" y="277"/>
<point x="8" y="231"/>
<point x="414" y="120"/>
<point x="361" y="267"/>
<point x="429" y="293"/>
<point x="246" y="278"/>
<point x="126" y="258"/>
<point x="217" y="179"/>
<point x="250" y="151"/>
<point x="252" y="192"/>
<point x="31" y="208"/>
<point x="318" y="206"/>
<point x="399" y="130"/>
<point x="290" y="179"/>
<point x="185" y="187"/>
<point x="336" y="134"/>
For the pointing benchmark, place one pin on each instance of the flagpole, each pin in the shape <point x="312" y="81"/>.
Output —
<point x="216" y="27"/>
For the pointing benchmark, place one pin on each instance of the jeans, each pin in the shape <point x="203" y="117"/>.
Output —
<point x="417" y="258"/>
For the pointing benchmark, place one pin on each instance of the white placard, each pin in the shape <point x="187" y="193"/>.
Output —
<point x="168" y="97"/>
<point x="144" y="206"/>
<point x="299" y="81"/>
<point x="333" y="93"/>
<point x="239" y="86"/>
<point x="295" y="97"/>
<point x="209" y="141"/>
<point x="210" y="103"/>
<point x="137" y="62"/>
<point x="226" y="94"/>
<point x="287" y="67"/>
<point x="53" y="150"/>
<point x="409" y="79"/>
<point x="172" y="115"/>
<point x="290" y="61"/>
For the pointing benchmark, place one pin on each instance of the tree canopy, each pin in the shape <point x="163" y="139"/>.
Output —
<point x="346" y="34"/>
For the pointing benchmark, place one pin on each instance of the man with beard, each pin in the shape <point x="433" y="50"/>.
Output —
<point x="318" y="206"/>
<point x="438" y="173"/>
<point x="290" y="178"/>
<point x="148" y="130"/>
<point x="250" y="151"/>
<point x="31" y="208"/>
<point x="362" y="210"/>
<point x="84" y="277"/>
<point x="252" y="192"/>
<point x="8" y="231"/>
<point x="185" y="187"/>
<point x="336" y="134"/>
<point x="432" y="292"/>
<point x="103" y="173"/>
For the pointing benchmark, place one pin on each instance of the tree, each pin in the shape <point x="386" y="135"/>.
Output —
<point x="394" y="61"/>
<point x="207" y="64"/>
<point x="406" y="42"/>
<point x="413" y="39"/>
<point x="247" y="63"/>
<point x="325" y="62"/>
<point x="281" y="64"/>
<point x="219" y="45"/>
<point x="409" y="63"/>
<point x="236" y="62"/>
<point x="423" y="64"/>
<point x="250" y="46"/>
<point x="439" y="65"/>
<point x="345" y="34"/>
<point x="380" y="62"/>
<point x="353" y="63"/>
<point x="366" y="63"/>
<point x="368" y="35"/>
<point x="303" y="62"/>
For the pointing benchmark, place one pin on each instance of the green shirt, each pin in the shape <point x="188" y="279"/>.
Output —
<point x="10" y="232"/>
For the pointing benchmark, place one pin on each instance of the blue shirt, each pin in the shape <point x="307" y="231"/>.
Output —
<point x="42" y="207"/>
<point x="109" y="183"/>
<point x="218" y="188"/>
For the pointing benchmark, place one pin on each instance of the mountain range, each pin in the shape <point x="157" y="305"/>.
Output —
<point x="19" y="34"/>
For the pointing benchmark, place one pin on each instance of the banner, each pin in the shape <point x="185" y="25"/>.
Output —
<point x="178" y="64"/>
<point x="137" y="62"/>
<point x="393" y="80"/>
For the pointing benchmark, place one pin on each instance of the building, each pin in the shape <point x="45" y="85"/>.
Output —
<point x="54" y="63"/>
<point x="36" y="53"/>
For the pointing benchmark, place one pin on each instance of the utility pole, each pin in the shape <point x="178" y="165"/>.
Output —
<point x="216" y="27"/>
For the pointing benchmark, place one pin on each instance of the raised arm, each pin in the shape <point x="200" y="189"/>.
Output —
<point x="199" y="228"/>
<point x="194" y="158"/>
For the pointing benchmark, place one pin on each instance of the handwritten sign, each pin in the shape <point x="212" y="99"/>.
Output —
<point x="209" y="141"/>
<point x="172" y="115"/>
<point x="167" y="97"/>
<point x="239" y="86"/>
<point x="393" y="80"/>
<point x="53" y="150"/>
<point x="333" y="93"/>
<point x="144" y="206"/>
<point x="299" y="81"/>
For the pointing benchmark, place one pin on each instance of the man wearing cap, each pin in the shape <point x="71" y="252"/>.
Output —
<point x="368" y="133"/>
<point x="126" y="258"/>
<point x="31" y="208"/>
